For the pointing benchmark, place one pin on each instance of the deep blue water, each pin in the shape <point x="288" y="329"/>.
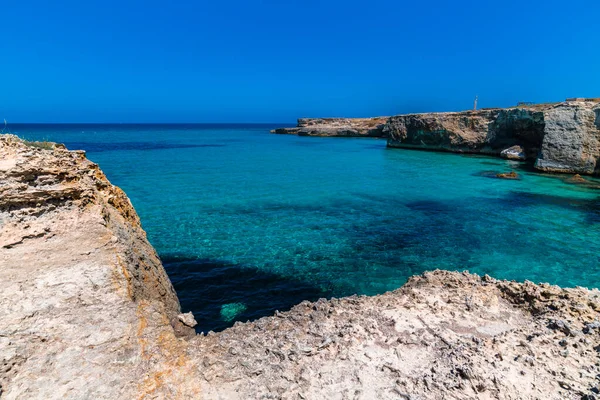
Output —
<point x="248" y="222"/>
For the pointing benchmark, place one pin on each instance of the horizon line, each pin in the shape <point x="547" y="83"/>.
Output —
<point x="8" y="124"/>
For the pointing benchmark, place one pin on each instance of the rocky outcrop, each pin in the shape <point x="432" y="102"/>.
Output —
<point x="87" y="312"/>
<point x="563" y="137"/>
<point x="560" y="137"/>
<point x="85" y="306"/>
<point x="343" y="127"/>
<point x="443" y="335"/>
<point x="485" y="131"/>
<point x="514" y="153"/>
<point x="571" y="140"/>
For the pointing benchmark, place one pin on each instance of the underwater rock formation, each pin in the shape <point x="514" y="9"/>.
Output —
<point x="87" y="312"/>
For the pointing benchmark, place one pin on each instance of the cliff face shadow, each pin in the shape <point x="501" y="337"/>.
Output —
<point x="219" y="293"/>
<point x="128" y="146"/>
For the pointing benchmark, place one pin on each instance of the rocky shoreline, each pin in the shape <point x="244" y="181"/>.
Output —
<point x="341" y="127"/>
<point x="561" y="137"/>
<point x="88" y="312"/>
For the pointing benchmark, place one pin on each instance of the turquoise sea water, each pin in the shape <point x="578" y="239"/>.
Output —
<point x="248" y="222"/>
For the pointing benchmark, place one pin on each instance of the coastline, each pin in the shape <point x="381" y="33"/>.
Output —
<point x="557" y="137"/>
<point x="89" y="312"/>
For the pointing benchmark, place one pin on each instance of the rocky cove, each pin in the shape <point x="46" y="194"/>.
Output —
<point x="88" y="311"/>
<point x="559" y="137"/>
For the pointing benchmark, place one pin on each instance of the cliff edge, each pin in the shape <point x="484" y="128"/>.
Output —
<point x="85" y="306"/>
<point x="342" y="127"/>
<point x="87" y="312"/>
<point x="562" y="137"/>
<point x="559" y="137"/>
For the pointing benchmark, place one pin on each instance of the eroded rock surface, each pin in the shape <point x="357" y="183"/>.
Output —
<point x="87" y="312"/>
<point x="572" y="139"/>
<point x="85" y="303"/>
<point x="344" y="127"/>
<point x="558" y="137"/>
<point x="443" y="335"/>
<point x="562" y="137"/>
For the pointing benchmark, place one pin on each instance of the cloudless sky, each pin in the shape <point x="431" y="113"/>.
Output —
<point x="277" y="60"/>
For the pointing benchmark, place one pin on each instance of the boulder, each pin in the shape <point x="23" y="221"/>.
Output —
<point x="514" y="153"/>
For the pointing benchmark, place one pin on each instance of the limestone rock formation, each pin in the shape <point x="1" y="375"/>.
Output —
<point x="85" y="303"/>
<point x="484" y="131"/>
<point x="514" y="153"/>
<point x="560" y="137"/>
<point x="571" y="141"/>
<point x="344" y="127"/>
<point x="87" y="312"/>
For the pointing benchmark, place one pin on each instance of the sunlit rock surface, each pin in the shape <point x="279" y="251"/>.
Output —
<point x="556" y="137"/>
<point x="87" y="312"/>
<point x="345" y="127"/>
<point x="562" y="137"/>
<point x="571" y="139"/>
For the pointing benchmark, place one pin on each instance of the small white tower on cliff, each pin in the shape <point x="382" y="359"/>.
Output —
<point x="475" y="103"/>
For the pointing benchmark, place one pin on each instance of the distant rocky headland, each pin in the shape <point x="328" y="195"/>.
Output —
<point x="558" y="137"/>
<point x="87" y="310"/>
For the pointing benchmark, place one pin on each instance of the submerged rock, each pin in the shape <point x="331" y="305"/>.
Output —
<point x="232" y="310"/>
<point x="587" y="183"/>
<point x="508" y="175"/>
<point x="576" y="179"/>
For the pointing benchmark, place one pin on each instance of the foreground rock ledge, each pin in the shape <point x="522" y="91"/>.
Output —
<point x="87" y="312"/>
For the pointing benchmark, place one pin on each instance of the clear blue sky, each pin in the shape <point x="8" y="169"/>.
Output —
<point x="276" y="60"/>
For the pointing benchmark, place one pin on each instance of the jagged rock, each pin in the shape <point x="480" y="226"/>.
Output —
<point x="514" y="153"/>
<point x="188" y="319"/>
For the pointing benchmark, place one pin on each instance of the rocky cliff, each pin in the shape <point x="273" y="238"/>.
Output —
<point x="87" y="312"/>
<point x="485" y="131"/>
<point x="563" y="137"/>
<point x="343" y="127"/>
<point x="86" y="306"/>
<point x="560" y="137"/>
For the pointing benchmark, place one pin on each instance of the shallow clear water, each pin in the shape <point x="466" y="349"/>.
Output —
<point x="248" y="222"/>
